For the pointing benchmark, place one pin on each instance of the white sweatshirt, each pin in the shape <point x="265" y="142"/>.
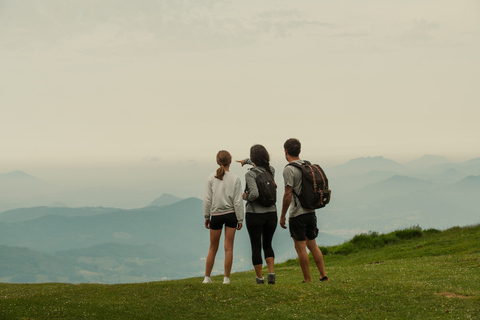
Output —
<point x="223" y="196"/>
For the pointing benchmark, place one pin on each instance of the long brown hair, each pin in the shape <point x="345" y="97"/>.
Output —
<point x="259" y="155"/>
<point x="223" y="159"/>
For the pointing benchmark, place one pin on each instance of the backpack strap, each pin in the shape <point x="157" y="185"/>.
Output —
<point x="298" y="165"/>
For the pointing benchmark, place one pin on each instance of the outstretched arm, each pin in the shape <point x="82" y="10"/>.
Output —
<point x="245" y="161"/>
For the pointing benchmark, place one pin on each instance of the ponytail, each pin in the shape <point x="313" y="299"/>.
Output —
<point x="223" y="159"/>
<point x="220" y="172"/>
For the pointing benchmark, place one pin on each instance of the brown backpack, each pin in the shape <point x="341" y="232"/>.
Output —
<point x="315" y="193"/>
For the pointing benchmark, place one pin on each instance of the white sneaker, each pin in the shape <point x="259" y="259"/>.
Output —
<point x="226" y="280"/>
<point x="207" y="280"/>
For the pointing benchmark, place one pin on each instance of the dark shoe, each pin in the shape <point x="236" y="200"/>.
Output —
<point x="324" y="279"/>
<point x="271" y="278"/>
<point x="260" y="281"/>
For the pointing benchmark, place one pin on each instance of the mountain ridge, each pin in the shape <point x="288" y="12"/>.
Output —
<point x="164" y="199"/>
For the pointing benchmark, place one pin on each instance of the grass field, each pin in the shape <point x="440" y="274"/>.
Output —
<point x="408" y="274"/>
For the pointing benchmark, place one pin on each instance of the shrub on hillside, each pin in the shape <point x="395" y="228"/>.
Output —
<point x="389" y="238"/>
<point x="414" y="232"/>
<point x="373" y="240"/>
<point x="368" y="241"/>
<point x="343" y="249"/>
<point x="431" y="231"/>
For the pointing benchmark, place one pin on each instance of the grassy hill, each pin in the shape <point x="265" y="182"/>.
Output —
<point x="407" y="274"/>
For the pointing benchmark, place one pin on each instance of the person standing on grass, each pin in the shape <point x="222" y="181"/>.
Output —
<point x="302" y="222"/>
<point x="261" y="215"/>
<point x="222" y="205"/>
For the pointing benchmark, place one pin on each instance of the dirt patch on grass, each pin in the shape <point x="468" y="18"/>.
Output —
<point x="453" y="295"/>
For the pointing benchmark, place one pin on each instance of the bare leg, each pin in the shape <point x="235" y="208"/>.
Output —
<point x="300" y="247"/>
<point x="317" y="256"/>
<point x="212" y="251"/>
<point x="258" y="270"/>
<point x="270" y="264"/>
<point x="229" y="238"/>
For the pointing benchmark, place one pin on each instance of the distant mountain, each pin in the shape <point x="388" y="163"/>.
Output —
<point x="136" y="245"/>
<point x="164" y="199"/>
<point x="471" y="167"/>
<point x="447" y="177"/>
<point x="19" y="183"/>
<point x="472" y="161"/>
<point x="469" y="184"/>
<point x="105" y="197"/>
<point x="168" y="240"/>
<point x="391" y="187"/>
<point x="19" y="189"/>
<point x="365" y="164"/>
<point x="21" y="265"/>
<point x="25" y="214"/>
<point x="345" y="184"/>
<point x="16" y="176"/>
<point x="428" y="209"/>
<point x="427" y="161"/>
<point x="135" y="226"/>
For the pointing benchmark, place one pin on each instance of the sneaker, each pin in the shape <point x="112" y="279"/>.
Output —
<point x="260" y="281"/>
<point x="271" y="278"/>
<point x="324" y="279"/>
<point x="207" y="280"/>
<point x="226" y="280"/>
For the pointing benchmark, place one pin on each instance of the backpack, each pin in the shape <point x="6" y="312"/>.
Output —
<point x="315" y="193"/>
<point x="267" y="188"/>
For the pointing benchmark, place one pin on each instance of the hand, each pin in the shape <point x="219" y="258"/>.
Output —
<point x="241" y="162"/>
<point x="283" y="220"/>
<point x="239" y="226"/>
<point x="245" y="196"/>
<point x="207" y="223"/>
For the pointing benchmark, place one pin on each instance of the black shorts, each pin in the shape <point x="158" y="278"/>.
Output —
<point x="303" y="227"/>
<point x="229" y="220"/>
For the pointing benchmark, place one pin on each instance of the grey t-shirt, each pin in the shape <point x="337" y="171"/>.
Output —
<point x="292" y="177"/>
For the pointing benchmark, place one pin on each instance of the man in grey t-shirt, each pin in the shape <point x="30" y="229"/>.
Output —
<point x="302" y="222"/>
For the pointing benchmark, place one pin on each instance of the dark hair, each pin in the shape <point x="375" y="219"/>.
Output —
<point x="223" y="159"/>
<point x="259" y="156"/>
<point x="293" y="147"/>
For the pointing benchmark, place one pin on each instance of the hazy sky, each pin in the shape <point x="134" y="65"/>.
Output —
<point x="121" y="83"/>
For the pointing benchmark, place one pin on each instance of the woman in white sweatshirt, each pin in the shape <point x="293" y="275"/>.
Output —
<point x="222" y="205"/>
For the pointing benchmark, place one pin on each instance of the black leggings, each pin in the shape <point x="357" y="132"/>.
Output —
<point x="261" y="227"/>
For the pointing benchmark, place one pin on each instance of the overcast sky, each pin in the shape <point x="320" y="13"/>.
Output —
<point x="123" y="83"/>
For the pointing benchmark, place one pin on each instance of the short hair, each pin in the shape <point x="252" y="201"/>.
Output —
<point x="293" y="147"/>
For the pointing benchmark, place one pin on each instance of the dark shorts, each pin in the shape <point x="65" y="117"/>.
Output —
<point x="229" y="220"/>
<point x="303" y="227"/>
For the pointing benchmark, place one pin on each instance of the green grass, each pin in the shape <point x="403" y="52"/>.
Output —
<point x="407" y="274"/>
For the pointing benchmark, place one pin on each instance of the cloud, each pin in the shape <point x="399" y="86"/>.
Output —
<point x="167" y="25"/>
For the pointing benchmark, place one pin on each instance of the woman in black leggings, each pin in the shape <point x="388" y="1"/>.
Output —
<point x="261" y="214"/>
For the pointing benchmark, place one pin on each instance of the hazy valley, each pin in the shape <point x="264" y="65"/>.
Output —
<point x="45" y="237"/>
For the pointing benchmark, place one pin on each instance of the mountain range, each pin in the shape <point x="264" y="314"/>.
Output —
<point x="116" y="245"/>
<point x="166" y="239"/>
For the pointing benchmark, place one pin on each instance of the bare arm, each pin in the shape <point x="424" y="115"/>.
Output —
<point x="287" y="199"/>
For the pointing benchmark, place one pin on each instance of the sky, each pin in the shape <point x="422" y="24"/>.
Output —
<point x="126" y="91"/>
